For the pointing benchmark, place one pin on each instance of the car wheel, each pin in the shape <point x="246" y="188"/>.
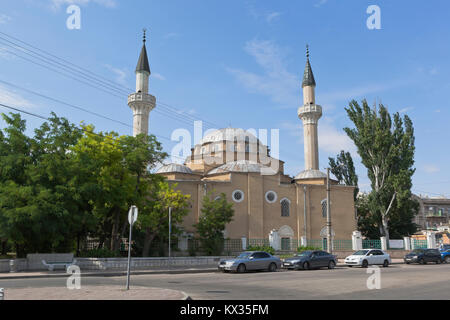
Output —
<point x="438" y="261"/>
<point x="350" y="266"/>
<point x="365" y="264"/>
<point x="305" y="266"/>
<point x="272" y="267"/>
<point x="241" y="268"/>
<point x="447" y="259"/>
<point x="331" y="264"/>
<point x="422" y="261"/>
<point x="385" y="264"/>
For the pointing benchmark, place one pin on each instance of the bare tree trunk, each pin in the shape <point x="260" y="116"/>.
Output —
<point x="149" y="236"/>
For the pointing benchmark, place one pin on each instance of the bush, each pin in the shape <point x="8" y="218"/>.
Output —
<point x="99" y="253"/>
<point x="301" y="249"/>
<point x="267" y="249"/>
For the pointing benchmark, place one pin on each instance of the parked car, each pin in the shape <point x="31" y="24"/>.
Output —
<point x="251" y="260"/>
<point x="310" y="260"/>
<point x="367" y="257"/>
<point x="445" y="256"/>
<point x="423" y="256"/>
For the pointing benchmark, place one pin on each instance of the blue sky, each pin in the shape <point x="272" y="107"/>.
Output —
<point x="240" y="63"/>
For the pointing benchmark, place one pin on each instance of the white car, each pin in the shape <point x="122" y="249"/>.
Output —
<point x="368" y="257"/>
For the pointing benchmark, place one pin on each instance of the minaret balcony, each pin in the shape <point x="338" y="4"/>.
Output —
<point x="310" y="113"/>
<point x="140" y="98"/>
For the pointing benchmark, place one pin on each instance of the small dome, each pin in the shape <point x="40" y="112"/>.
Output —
<point x="310" y="174"/>
<point x="245" y="166"/>
<point x="174" y="167"/>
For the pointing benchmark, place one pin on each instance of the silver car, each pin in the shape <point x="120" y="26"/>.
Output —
<point x="251" y="260"/>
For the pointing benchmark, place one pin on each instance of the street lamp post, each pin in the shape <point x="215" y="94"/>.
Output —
<point x="329" y="236"/>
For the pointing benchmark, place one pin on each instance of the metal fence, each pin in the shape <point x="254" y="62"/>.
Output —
<point x="420" y="244"/>
<point x="371" y="244"/>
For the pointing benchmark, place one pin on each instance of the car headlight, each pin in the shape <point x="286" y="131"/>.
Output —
<point x="415" y="257"/>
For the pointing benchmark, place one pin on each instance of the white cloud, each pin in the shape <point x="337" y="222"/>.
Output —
<point x="272" y="16"/>
<point x="4" y="18"/>
<point x="12" y="99"/>
<point x="56" y="4"/>
<point x="121" y="74"/>
<point x="275" y="81"/>
<point x="171" y="35"/>
<point x="320" y="3"/>
<point x="334" y="140"/>
<point x="406" y="109"/>
<point x="430" y="168"/>
<point x="158" y="76"/>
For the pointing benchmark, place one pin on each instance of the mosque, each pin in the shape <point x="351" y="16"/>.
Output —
<point x="235" y="162"/>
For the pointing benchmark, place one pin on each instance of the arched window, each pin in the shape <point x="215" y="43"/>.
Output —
<point x="285" y="207"/>
<point x="324" y="207"/>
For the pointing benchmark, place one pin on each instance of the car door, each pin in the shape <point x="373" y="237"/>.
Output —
<point x="428" y="256"/>
<point x="314" y="259"/>
<point x="372" y="257"/>
<point x="252" y="263"/>
<point x="258" y="261"/>
<point x="324" y="257"/>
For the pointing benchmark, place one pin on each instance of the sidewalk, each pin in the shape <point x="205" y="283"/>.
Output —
<point x="95" y="293"/>
<point x="172" y="270"/>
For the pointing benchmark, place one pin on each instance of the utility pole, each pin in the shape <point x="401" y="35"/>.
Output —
<point x="329" y="236"/>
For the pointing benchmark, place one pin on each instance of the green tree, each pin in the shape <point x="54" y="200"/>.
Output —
<point x="154" y="217"/>
<point x="216" y="214"/>
<point x="36" y="200"/>
<point x="387" y="150"/>
<point x="344" y="170"/>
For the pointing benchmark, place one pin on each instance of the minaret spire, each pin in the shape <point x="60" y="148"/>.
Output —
<point x="142" y="102"/>
<point x="310" y="113"/>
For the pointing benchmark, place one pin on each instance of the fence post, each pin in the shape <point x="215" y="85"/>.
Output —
<point x="274" y="240"/>
<point x="303" y="241"/>
<point x="244" y="243"/>
<point x="431" y="240"/>
<point x="384" y="246"/>
<point x="407" y="241"/>
<point x="356" y="240"/>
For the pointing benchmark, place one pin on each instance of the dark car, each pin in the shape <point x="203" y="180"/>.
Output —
<point x="310" y="260"/>
<point x="423" y="256"/>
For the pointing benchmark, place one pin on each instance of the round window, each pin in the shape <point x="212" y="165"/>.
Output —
<point x="271" y="196"/>
<point x="238" y="196"/>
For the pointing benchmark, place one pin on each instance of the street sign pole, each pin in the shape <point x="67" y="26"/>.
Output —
<point x="170" y="233"/>
<point x="132" y="217"/>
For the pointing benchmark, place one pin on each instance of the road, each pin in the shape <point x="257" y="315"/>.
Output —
<point x="397" y="282"/>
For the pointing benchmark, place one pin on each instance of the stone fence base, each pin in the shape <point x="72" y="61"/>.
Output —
<point x="113" y="264"/>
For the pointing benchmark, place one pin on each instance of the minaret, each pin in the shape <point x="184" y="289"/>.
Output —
<point x="141" y="102"/>
<point x="310" y="113"/>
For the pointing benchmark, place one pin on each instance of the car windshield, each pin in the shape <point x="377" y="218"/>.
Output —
<point x="361" y="253"/>
<point x="244" y="255"/>
<point x="417" y="251"/>
<point x="304" y="254"/>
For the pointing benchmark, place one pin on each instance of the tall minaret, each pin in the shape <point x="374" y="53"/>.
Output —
<point x="141" y="102"/>
<point x="310" y="113"/>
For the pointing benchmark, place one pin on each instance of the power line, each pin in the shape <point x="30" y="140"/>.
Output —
<point x="107" y="85"/>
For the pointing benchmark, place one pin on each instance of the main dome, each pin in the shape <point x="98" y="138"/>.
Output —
<point x="229" y="134"/>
